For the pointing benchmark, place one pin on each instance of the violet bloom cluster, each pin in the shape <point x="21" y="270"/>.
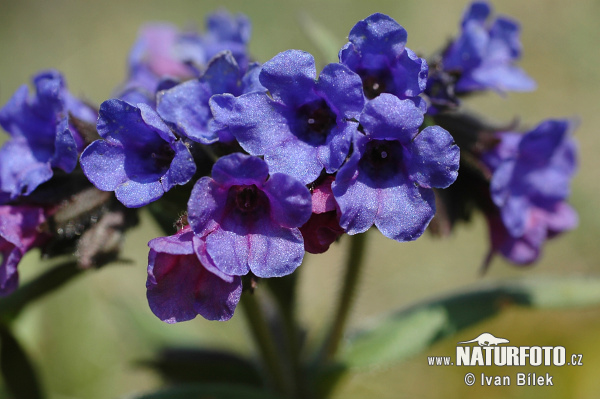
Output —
<point x="482" y="57"/>
<point x="297" y="158"/>
<point x="163" y="55"/>
<point x="530" y="186"/>
<point x="364" y="157"/>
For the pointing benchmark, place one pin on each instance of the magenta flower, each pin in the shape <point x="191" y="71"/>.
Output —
<point x="18" y="233"/>
<point x="179" y="286"/>
<point x="323" y="227"/>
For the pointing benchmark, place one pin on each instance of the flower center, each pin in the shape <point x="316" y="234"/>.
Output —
<point x="163" y="157"/>
<point x="376" y="82"/>
<point x="246" y="198"/>
<point x="381" y="159"/>
<point x="315" y="122"/>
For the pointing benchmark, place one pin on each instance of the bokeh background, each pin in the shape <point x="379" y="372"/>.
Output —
<point x="88" y="338"/>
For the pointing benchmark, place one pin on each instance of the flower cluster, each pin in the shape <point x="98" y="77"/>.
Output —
<point x="297" y="157"/>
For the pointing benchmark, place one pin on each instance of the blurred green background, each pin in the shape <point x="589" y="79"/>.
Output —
<point x="87" y="337"/>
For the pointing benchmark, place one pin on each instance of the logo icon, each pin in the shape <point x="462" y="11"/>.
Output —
<point x="486" y="339"/>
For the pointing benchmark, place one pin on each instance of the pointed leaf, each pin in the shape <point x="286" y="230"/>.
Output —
<point x="413" y="330"/>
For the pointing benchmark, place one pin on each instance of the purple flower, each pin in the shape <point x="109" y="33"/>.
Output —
<point x="541" y="225"/>
<point x="377" y="52"/>
<point x="224" y="32"/>
<point x="484" y="55"/>
<point x="18" y="233"/>
<point x="41" y="138"/>
<point x="532" y="172"/>
<point x="185" y="106"/>
<point x="139" y="157"/>
<point x="181" y="287"/>
<point x="248" y="221"/>
<point x="389" y="177"/>
<point x="303" y="125"/>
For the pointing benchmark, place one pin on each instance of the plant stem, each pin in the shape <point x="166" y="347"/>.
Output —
<point x="354" y="264"/>
<point x="265" y="341"/>
<point x="284" y="292"/>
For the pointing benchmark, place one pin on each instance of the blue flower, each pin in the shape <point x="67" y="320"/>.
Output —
<point x="484" y="56"/>
<point x="248" y="221"/>
<point x="388" y="179"/>
<point x="303" y="125"/>
<point x="139" y="158"/>
<point x="185" y="107"/>
<point x="377" y="52"/>
<point x="179" y="286"/>
<point x="41" y="138"/>
<point x="532" y="171"/>
<point x="224" y="32"/>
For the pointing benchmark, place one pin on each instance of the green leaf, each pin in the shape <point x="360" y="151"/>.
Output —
<point x="411" y="331"/>
<point x="210" y="391"/>
<point x="11" y="305"/>
<point x="190" y="365"/>
<point x="17" y="371"/>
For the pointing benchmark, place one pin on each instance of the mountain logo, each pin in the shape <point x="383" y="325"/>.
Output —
<point x="487" y="339"/>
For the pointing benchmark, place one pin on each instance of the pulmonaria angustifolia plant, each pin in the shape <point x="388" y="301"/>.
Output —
<point x="259" y="163"/>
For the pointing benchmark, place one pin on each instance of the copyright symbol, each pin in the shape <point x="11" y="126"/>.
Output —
<point x="469" y="379"/>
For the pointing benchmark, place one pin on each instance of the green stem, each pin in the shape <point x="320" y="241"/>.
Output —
<point x="284" y="293"/>
<point x="266" y="343"/>
<point x="346" y="299"/>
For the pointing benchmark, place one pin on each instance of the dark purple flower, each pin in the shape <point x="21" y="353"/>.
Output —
<point x="377" y="52"/>
<point x="185" y="106"/>
<point x="181" y="287"/>
<point x="532" y="171"/>
<point x="303" y="125"/>
<point x="19" y="232"/>
<point x="139" y="158"/>
<point x="41" y="138"/>
<point x="541" y="225"/>
<point x="248" y="221"/>
<point x="484" y="55"/>
<point x="323" y="227"/>
<point x="388" y="179"/>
